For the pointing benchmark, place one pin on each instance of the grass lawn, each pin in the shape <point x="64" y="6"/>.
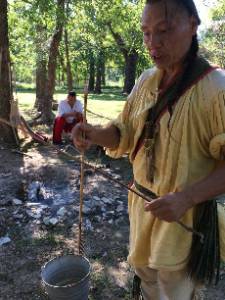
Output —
<point x="109" y="104"/>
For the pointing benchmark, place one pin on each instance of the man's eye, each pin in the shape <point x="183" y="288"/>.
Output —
<point x="163" y="30"/>
<point x="146" y="34"/>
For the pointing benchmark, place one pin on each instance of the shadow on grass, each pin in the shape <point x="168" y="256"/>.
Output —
<point x="107" y="97"/>
<point x="108" y="94"/>
<point x="24" y="106"/>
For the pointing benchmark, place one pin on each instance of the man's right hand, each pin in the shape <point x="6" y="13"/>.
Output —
<point x="85" y="135"/>
<point x="82" y="135"/>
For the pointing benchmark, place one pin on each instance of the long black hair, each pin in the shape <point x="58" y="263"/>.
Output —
<point x="190" y="8"/>
<point x="188" y="5"/>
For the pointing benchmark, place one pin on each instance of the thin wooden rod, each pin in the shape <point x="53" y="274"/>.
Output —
<point x="80" y="248"/>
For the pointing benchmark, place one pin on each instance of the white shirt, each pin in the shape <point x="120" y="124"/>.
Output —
<point x="65" y="108"/>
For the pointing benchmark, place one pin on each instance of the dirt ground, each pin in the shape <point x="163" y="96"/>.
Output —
<point x="33" y="243"/>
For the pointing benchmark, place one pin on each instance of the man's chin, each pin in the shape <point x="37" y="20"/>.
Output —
<point x="160" y="66"/>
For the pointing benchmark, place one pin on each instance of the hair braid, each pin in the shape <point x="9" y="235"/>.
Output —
<point x="192" y="54"/>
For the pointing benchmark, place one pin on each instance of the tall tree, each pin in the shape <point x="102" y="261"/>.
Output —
<point x="41" y="65"/>
<point x="103" y="71"/>
<point x="68" y="63"/>
<point x="131" y="59"/>
<point x="213" y="42"/>
<point x="98" y="84"/>
<point x="52" y="64"/>
<point x="6" y="132"/>
<point x="91" y="72"/>
<point x="88" y="34"/>
<point x="125" y="29"/>
<point x="122" y="20"/>
<point x="22" y="29"/>
<point x="67" y="49"/>
<point x="218" y="15"/>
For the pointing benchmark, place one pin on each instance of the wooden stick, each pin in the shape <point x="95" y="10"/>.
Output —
<point x="98" y="115"/>
<point x="5" y="122"/>
<point x="82" y="176"/>
<point x="22" y="153"/>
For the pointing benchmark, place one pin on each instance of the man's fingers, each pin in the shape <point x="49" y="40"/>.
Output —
<point x="82" y="146"/>
<point x="79" y="139"/>
<point x="78" y="133"/>
<point x="84" y="127"/>
<point x="159" y="212"/>
<point x="81" y="143"/>
<point x="153" y="205"/>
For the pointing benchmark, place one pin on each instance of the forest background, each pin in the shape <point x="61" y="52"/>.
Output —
<point x="48" y="47"/>
<point x="55" y="45"/>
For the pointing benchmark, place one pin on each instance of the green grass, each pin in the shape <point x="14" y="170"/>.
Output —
<point x="109" y="104"/>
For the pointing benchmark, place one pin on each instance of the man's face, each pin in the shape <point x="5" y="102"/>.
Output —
<point x="168" y="32"/>
<point x="71" y="99"/>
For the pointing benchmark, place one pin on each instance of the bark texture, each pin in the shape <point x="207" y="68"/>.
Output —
<point x="6" y="132"/>
<point x="68" y="63"/>
<point x="131" y="59"/>
<point x="91" y="72"/>
<point x="47" y="116"/>
<point x="41" y="66"/>
<point x="98" y="84"/>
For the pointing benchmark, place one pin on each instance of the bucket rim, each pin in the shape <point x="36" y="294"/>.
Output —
<point x="68" y="285"/>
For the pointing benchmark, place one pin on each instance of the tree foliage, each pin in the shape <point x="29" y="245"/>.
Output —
<point x="89" y="27"/>
<point x="101" y="40"/>
<point x="214" y="40"/>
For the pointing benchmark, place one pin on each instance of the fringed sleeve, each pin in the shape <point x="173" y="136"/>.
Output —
<point x="221" y="219"/>
<point x="217" y="127"/>
<point x="125" y="125"/>
<point x="122" y="123"/>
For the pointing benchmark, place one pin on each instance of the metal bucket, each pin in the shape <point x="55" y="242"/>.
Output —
<point x="67" y="277"/>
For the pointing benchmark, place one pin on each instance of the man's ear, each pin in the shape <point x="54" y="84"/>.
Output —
<point x="194" y="25"/>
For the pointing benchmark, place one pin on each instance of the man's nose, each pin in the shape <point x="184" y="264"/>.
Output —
<point x="153" y="41"/>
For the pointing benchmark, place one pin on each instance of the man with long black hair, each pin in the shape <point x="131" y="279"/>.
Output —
<point x="173" y="127"/>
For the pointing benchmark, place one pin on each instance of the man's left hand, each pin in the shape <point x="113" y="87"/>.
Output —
<point x="170" y="207"/>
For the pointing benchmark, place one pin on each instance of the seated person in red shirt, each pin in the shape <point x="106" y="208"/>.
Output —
<point x="70" y="112"/>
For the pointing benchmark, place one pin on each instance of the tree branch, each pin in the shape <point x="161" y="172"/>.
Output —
<point x="119" y="40"/>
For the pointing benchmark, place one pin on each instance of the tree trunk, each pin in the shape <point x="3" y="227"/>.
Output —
<point x="130" y="71"/>
<point x="220" y="44"/>
<point x="103" y="72"/>
<point x="6" y="132"/>
<point x="62" y="68"/>
<point x="41" y="77"/>
<point x="91" y="73"/>
<point x="41" y="66"/>
<point x="131" y="58"/>
<point x="68" y="64"/>
<point x="98" y="84"/>
<point x="52" y="64"/>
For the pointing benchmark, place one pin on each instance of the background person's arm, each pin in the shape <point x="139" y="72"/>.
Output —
<point x="69" y="114"/>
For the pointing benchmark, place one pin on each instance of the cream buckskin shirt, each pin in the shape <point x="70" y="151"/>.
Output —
<point x="186" y="153"/>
